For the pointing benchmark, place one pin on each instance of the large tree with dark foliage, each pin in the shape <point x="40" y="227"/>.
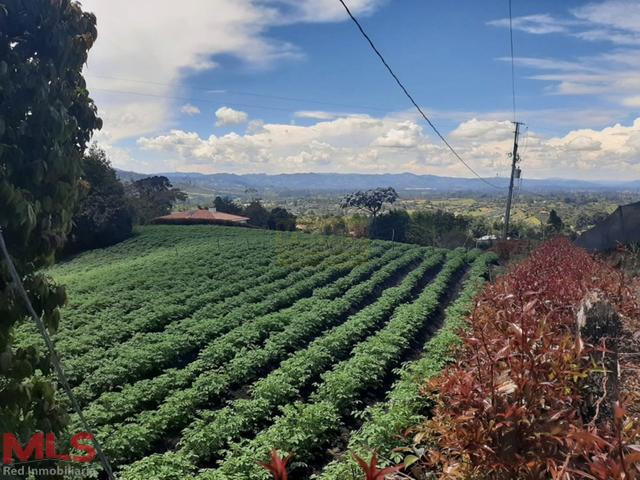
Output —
<point x="370" y="201"/>
<point x="438" y="228"/>
<point x="276" y="219"/>
<point x="104" y="216"/>
<point x="258" y="215"/>
<point x="227" y="205"/>
<point x="281" y="219"/>
<point x="46" y="120"/>
<point x="153" y="197"/>
<point x="554" y="223"/>
<point x="392" y="225"/>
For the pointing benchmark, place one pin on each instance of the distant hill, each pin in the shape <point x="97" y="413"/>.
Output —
<point x="344" y="182"/>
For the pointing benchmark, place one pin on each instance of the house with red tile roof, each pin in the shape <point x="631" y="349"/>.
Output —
<point x="201" y="216"/>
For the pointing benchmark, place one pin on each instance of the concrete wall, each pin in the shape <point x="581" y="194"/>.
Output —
<point x="622" y="227"/>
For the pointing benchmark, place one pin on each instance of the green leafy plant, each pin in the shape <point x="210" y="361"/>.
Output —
<point x="386" y="422"/>
<point x="306" y="427"/>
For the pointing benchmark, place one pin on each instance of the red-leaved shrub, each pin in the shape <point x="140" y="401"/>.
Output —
<point x="510" y="407"/>
<point x="277" y="466"/>
<point x="371" y="470"/>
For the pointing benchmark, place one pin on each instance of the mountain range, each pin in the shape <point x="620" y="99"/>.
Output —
<point x="347" y="182"/>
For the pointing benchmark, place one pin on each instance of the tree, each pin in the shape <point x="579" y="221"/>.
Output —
<point x="392" y="225"/>
<point x="333" y="225"/>
<point x="227" y="205"/>
<point x="554" y="222"/>
<point x="358" y="225"/>
<point x="439" y="228"/>
<point x="258" y="215"/>
<point x="104" y="216"/>
<point x="281" y="219"/>
<point x="371" y="201"/>
<point x="46" y="120"/>
<point x="153" y="197"/>
<point x="479" y="228"/>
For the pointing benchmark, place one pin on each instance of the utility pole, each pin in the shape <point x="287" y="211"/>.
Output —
<point x="514" y="162"/>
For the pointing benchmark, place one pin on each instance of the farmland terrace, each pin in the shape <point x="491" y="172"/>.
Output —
<point x="195" y="350"/>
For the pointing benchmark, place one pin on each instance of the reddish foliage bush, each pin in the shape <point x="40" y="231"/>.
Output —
<point x="278" y="466"/>
<point x="371" y="470"/>
<point x="507" y="249"/>
<point x="510" y="407"/>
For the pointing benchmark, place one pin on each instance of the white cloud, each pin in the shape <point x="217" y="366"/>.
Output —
<point x="535" y="24"/>
<point x="612" y="76"/>
<point x="316" y="115"/>
<point x="616" y="21"/>
<point x="189" y="109"/>
<point x="229" y="116"/>
<point x="155" y="42"/>
<point x="404" y="135"/>
<point x="375" y="145"/>
<point x="547" y="63"/>
<point x="632" y="101"/>
<point x="314" y="11"/>
<point x="482" y="130"/>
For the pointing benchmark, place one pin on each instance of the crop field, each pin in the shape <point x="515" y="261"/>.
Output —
<point x="196" y="350"/>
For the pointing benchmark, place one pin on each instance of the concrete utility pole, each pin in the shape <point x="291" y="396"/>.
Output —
<point x="514" y="162"/>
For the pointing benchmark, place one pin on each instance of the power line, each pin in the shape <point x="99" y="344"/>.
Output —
<point x="191" y="99"/>
<point x="19" y="287"/>
<point x="513" y="68"/>
<point x="242" y="93"/>
<point x="415" y="104"/>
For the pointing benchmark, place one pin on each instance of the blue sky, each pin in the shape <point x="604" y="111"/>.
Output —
<point x="290" y="86"/>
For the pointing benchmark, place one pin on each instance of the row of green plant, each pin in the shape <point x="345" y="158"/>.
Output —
<point x="206" y="437"/>
<point x="231" y="278"/>
<point x="405" y="405"/>
<point x="215" y="303"/>
<point x="117" y="277"/>
<point x="115" y="406"/>
<point x="197" y="249"/>
<point x="86" y="271"/>
<point x="119" y="295"/>
<point x="129" y="441"/>
<point x="304" y="428"/>
<point x="148" y="353"/>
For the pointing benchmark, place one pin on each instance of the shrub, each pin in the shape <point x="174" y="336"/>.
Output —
<point x="510" y="407"/>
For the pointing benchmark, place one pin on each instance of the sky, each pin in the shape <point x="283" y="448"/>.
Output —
<point x="287" y="86"/>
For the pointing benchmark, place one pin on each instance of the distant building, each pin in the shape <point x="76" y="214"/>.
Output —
<point x="486" y="241"/>
<point x="202" y="216"/>
<point x="622" y="227"/>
